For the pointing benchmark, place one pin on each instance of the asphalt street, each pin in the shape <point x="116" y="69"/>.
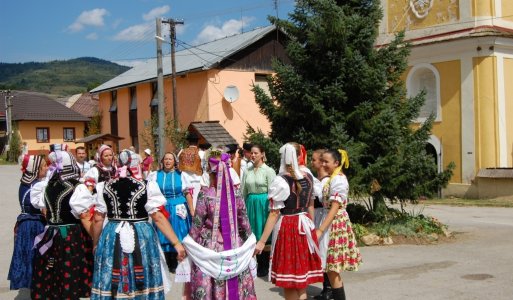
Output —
<point x="477" y="264"/>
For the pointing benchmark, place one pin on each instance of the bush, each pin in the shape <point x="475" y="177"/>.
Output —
<point x="14" y="146"/>
<point x="359" y="214"/>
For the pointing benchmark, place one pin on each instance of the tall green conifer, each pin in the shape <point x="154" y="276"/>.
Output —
<point x="341" y="90"/>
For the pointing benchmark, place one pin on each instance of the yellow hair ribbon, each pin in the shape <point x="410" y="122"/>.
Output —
<point x="345" y="158"/>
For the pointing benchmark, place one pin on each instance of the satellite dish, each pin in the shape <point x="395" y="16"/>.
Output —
<point x="231" y="93"/>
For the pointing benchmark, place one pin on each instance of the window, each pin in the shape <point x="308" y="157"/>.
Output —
<point x="114" y="113"/>
<point x="425" y="77"/>
<point x="43" y="134"/>
<point x="69" y="134"/>
<point x="261" y="81"/>
<point x="132" y="117"/>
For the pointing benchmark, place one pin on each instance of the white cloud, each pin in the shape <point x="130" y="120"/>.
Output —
<point x="136" y="33"/>
<point x="93" y="17"/>
<point x="156" y="12"/>
<point x="230" y="27"/>
<point x="92" y="36"/>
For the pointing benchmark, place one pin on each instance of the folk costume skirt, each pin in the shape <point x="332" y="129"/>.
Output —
<point x="338" y="245"/>
<point x="180" y="225"/>
<point x="20" y="271"/>
<point x="136" y="275"/>
<point x="257" y="207"/>
<point x="63" y="263"/>
<point x="293" y="265"/>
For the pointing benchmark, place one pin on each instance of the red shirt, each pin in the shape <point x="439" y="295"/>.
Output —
<point x="147" y="161"/>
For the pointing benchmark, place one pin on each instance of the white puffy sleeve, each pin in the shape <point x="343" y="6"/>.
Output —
<point x="100" y="205"/>
<point x="81" y="200"/>
<point x="279" y="191"/>
<point x="92" y="173"/>
<point x="317" y="188"/>
<point x="339" y="189"/>
<point x="37" y="192"/>
<point x="186" y="183"/>
<point x="235" y="177"/>
<point x="155" y="198"/>
<point x="152" y="176"/>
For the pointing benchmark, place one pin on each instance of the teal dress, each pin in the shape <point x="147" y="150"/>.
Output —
<point x="255" y="185"/>
<point x="172" y="186"/>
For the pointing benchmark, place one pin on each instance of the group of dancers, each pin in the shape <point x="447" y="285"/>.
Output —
<point x="215" y="220"/>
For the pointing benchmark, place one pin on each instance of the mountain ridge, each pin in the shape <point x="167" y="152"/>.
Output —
<point x="59" y="77"/>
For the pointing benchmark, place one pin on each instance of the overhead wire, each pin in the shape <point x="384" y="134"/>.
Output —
<point x="123" y="51"/>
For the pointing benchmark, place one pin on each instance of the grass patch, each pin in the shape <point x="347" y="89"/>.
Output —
<point x="411" y="227"/>
<point x="4" y="161"/>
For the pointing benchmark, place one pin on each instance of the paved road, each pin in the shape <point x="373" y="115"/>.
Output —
<point x="475" y="266"/>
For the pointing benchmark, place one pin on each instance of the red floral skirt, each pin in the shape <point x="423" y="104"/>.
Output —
<point x="64" y="271"/>
<point x="293" y="266"/>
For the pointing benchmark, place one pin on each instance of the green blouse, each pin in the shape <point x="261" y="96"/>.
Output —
<point x="257" y="181"/>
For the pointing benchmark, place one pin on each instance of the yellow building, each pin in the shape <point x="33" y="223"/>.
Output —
<point x="462" y="55"/>
<point x="42" y="121"/>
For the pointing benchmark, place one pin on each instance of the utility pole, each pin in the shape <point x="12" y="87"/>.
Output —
<point x="160" y="91"/>
<point x="8" y="115"/>
<point x="8" y="118"/>
<point x="172" y="30"/>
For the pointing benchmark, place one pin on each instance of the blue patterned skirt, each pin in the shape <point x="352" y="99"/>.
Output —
<point x="137" y="275"/>
<point x="180" y="226"/>
<point x="20" y="271"/>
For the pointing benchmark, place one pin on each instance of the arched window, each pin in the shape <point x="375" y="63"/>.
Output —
<point x="425" y="77"/>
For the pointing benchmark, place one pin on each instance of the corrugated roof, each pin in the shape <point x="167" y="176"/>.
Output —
<point x="201" y="57"/>
<point x="41" y="107"/>
<point x="214" y="133"/>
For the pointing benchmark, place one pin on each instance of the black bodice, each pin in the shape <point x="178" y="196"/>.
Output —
<point x="57" y="195"/>
<point x="105" y="175"/>
<point x="24" y="197"/>
<point x="125" y="198"/>
<point x="298" y="203"/>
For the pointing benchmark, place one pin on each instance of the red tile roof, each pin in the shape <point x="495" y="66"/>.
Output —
<point x="38" y="106"/>
<point x="86" y="105"/>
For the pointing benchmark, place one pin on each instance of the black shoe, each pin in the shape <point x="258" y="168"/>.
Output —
<point x="339" y="294"/>
<point x="326" y="294"/>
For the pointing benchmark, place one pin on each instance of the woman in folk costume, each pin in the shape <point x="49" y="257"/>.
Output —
<point x="189" y="163"/>
<point x="320" y="212"/>
<point x="337" y="240"/>
<point x="128" y="260"/>
<point x="29" y="223"/>
<point x="295" y="261"/>
<point x="220" y="244"/>
<point x="104" y="168"/>
<point x="255" y="187"/>
<point x="174" y="186"/>
<point x="64" y="260"/>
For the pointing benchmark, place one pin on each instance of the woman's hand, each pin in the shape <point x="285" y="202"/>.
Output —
<point x="181" y="254"/>
<point x="259" y="248"/>
<point x="319" y="233"/>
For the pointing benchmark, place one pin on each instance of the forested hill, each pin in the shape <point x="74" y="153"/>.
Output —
<point x="59" y="77"/>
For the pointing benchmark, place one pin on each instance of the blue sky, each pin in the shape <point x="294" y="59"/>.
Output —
<point x="122" y="31"/>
